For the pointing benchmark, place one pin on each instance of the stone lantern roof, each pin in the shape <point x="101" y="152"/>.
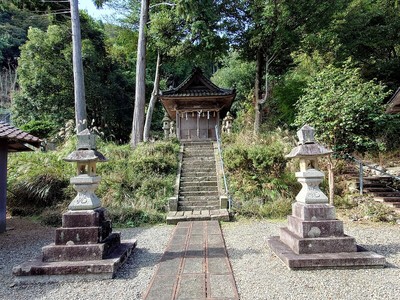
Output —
<point x="308" y="147"/>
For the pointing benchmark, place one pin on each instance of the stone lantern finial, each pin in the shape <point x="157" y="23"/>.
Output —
<point x="306" y="135"/>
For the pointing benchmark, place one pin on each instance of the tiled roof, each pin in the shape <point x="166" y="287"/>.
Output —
<point x="197" y="85"/>
<point x="17" y="138"/>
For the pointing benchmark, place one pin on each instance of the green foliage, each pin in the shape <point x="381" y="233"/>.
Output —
<point x="135" y="186"/>
<point x="237" y="74"/>
<point x="257" y="173"/>
<point x="46" y="81"/>
<point x="40" y="128"/>
<point x="346" y="111"/>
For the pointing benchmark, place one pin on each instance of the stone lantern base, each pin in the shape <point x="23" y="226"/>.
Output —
<point x="314" y="238"/>
<point x="85" y="248"/>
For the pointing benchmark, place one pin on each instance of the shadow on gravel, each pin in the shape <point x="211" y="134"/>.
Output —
<point x="386" y="250"/>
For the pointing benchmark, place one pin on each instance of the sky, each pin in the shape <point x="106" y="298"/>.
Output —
<point x="99" y="14"/>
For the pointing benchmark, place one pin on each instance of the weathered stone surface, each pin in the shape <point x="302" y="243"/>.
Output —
<point x="313" y="212"/>
<point x="317" y="245"/>
<point x="78" y="236"/>
<point x="84" y="218"/>
<point x="312" y="229"/>
<point x="358" y="259"/>
<point x="36" y="270"/>
<point x="71" y="252"/>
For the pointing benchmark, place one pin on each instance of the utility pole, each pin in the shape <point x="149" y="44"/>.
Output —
<point x="79" y="84"/>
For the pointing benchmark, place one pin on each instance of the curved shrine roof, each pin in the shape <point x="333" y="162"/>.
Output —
<point x="196" y="92"/>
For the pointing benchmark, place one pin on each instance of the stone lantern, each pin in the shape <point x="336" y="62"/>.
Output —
<point x="86" y="156"/>
<point x="166" y="126"/>
<point x="314" y="238"/>
<point x="227" y="123"/>
<point x="86" y="243"/>
<point x="308" y="151"/>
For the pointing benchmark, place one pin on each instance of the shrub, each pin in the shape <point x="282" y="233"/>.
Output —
<point x="139" y="180"/>
<point x="259" y="180"/>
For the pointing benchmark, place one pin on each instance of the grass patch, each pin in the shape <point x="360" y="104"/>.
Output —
<point x="135" y="186"/>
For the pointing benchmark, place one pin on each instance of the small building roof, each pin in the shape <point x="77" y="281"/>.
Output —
<point x="394" y="103"/>
<point x="196" y="92"/>
<point x="17" y="139"/>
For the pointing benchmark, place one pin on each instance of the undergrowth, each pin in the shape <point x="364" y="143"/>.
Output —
<point x="135" y="185"/>
<point x="260" y="180"/>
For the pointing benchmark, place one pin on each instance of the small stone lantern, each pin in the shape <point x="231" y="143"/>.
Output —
<point x="172" y="130"/>
<point x="86" y="156"/>
<point x="166" y="126"/>
<point x="227" y="123"/>
<point x="308" y="151"/>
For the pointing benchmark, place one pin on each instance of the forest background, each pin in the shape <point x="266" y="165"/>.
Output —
<point x="331" y="64"/>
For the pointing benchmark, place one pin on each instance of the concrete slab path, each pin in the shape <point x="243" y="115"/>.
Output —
<point x="195" y="265"/>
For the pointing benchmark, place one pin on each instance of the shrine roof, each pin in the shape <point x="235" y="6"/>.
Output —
<point x="197" y="92"/>
<point x="17" y="139"/>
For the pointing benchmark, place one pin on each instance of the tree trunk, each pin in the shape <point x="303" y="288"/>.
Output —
<point x="331" y="181"/>
<point x="140" y="100"/>
<point x="153" y="101"/>
<point x="79" y="85"/>
<point x="257" y="106"/>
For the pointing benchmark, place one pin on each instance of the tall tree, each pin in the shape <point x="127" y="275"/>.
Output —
<point x="153" y="99"/>
<point x="140" y="90"/>
<point x="79" y="83"/>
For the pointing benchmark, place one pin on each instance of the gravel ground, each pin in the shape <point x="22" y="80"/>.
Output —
<point x="258" y="272"/>
<point x="26" y="240"/>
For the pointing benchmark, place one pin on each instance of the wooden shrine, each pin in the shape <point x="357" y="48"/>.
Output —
<point x="197" y="105"/>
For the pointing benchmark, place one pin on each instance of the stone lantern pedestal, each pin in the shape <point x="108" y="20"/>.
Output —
<point x="85" y="246"/>
<point x="314" y="238"/>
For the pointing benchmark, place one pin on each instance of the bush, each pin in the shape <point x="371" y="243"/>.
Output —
<point x="40" y="128"/>
<point x="260" y="181"/>
<point x="139" y="181"/>
<point x="346" y="111"/>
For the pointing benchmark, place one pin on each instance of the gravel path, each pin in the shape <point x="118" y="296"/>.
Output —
<point x="261" y="275"/>
<point x="258" y="272"/>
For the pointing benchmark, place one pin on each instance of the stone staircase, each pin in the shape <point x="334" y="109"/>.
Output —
<point x="380" y="188"/>
<point x="198" y="195"/>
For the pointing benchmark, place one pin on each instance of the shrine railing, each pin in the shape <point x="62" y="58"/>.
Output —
<point x="219" y="143"/>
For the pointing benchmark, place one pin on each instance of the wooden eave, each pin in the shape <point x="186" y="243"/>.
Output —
<point x="18" y="140"/>
<point x="172" y="104"/>
<point x="394" y="103"/>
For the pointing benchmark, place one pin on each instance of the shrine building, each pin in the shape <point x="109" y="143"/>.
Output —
<point x="197" y="105"/>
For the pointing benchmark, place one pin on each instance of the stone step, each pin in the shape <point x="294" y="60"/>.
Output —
<point x="194" y="178"/>
<point x="198" y="189"/>
<point x="198" y="160"/>
<point x="198" y="174"/>
<point x="198" y="163"/>
<point x="203" y="198"/>
<point x="376" y="189"/>
<point x="199" y="193"/>
<point x="191" y="208"/>
<point x="373" y="184"/>
<point x="387" y="194"/>
<point x="377" y="178"/>
<point x="387" y="199"/>
<point x="199" y="183"/>
<point x="199" y="203"/>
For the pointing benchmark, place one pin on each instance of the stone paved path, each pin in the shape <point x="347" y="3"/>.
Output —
<point x="195" y="265"/>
